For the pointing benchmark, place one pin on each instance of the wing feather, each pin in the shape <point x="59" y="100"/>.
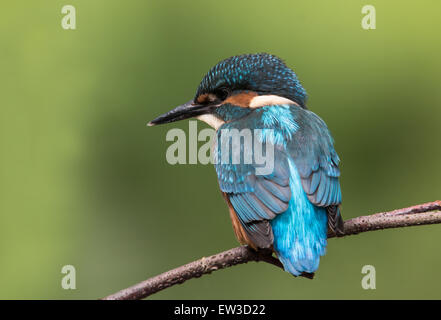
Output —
<point x="257" y="199"/>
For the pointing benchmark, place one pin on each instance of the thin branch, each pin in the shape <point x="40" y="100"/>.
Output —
<point x="427" y="213"/>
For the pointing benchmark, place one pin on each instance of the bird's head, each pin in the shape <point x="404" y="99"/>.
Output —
<point x="236" y="86"/>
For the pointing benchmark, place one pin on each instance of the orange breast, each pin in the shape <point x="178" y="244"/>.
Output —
<point x="237" y="227"/>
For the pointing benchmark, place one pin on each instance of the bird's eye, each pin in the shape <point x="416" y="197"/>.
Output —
<point x="223" y="93"/>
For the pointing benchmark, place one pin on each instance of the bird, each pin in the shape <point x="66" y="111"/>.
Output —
<point x="294" y="208"/>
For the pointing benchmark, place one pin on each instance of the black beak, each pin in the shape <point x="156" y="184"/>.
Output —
<point x="184" y="111"/>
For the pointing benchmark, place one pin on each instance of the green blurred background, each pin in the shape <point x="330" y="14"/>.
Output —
<point x="83" y="181"/>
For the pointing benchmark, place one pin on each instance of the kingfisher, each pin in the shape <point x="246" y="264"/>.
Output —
<point x="292" y="209"/>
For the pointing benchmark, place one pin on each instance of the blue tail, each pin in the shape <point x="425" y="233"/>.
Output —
<point x="300" y="233"/>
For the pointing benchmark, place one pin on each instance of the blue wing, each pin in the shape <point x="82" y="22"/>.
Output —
<point x="257" y="199"/>
<point x="317" y="163"/>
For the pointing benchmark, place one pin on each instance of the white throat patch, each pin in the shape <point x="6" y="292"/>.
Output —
<point x="211" y="120"/>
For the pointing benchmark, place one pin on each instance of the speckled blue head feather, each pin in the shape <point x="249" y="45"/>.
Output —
<point x="262" y="73"/>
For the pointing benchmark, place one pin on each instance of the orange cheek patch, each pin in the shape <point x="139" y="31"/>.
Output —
<point x="205" y="98"/>
<point x="242" y="99"/>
